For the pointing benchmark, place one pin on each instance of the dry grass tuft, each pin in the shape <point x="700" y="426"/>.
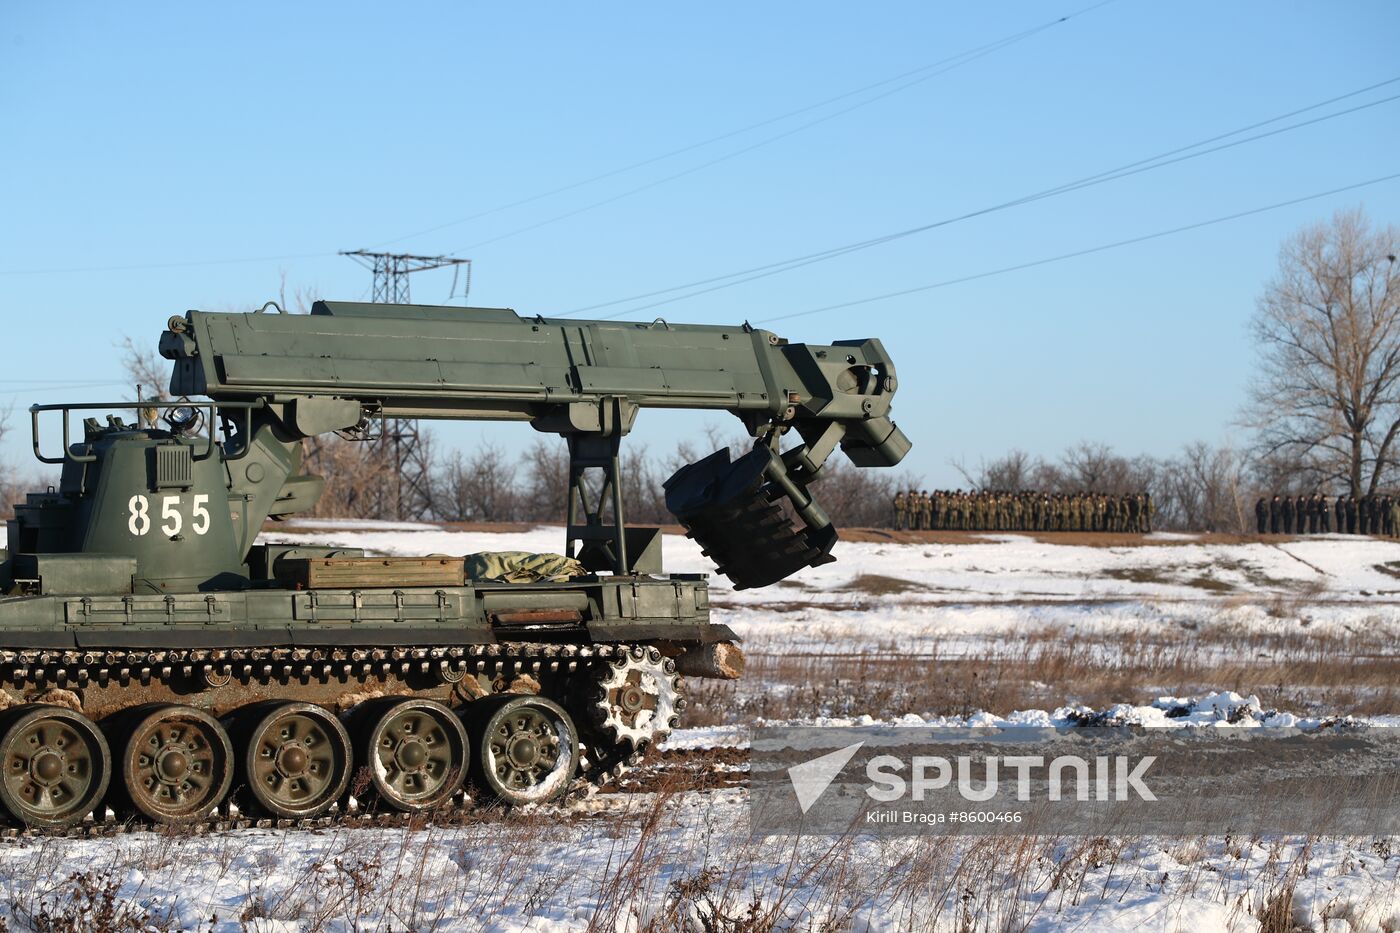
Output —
<point x="1290" y="670"/>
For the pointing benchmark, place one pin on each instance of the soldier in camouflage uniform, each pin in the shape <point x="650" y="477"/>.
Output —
<point x="899" y="512"/>
<point x="1025" y="510"/>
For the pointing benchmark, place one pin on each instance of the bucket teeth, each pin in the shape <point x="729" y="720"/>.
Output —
<point x="729" y="508"/>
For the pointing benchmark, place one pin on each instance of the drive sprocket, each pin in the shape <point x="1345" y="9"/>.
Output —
<point x="638" y="700"/>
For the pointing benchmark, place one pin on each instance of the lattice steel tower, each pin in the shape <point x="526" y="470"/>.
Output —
<point x="391" y="272"/>
<point x="411" y="459"/>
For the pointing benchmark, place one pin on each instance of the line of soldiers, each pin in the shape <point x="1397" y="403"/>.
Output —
<point x="1000" y="510"/>
<point x="1320" y="514"/>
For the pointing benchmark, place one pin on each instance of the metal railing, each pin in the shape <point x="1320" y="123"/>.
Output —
<point x="211" y="408"/>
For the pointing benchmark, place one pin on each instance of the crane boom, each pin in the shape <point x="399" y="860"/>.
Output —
<point x="413" y="361"/>
<point x="346" y="364"/>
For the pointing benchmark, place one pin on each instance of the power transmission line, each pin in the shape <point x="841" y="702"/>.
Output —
<point x="1160" y="160"/>
<point x="1083" y="252"/>
<point x="951" y="62"/>
<point x="745" y="149"/>
<point x="976" y="52"/>
<point x="176" y="264"/>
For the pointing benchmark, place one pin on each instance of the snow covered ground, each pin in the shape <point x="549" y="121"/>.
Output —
<point x="684" y="861"/>
<point x="989" y="568"/>
<point x="684" y="864"/>
<point x="941" y="596"/>
<point x="674" y="852"/>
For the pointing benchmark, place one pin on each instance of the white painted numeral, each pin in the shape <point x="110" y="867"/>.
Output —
<point x="171" y="522"/>
<point x="201" y="515"/>
<point x="140" y="521"/>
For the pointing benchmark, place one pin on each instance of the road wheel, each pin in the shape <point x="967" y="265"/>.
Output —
<point x="525" y="749"/>
<point x="176" y="764"/>
<point x="295" y="759"/>
<point x="415" y="751"/>
<point x="56" y="766"/>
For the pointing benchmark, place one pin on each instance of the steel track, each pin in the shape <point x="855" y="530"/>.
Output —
<point x="39" y="669"/>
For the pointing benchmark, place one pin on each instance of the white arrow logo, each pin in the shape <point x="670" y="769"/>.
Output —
<point x="811" y="778"/>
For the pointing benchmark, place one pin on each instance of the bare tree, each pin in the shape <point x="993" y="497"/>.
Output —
<point x="12" y="485"/>
<point x="1327" y="396"/>
<point x="301" y="299"/>
<point x="1093" y="466"/>
<point x="545" y="493"/>
<point x="853" y="496"/>
<point x="644" y="499"/>
<point x="1204" y="489"/>
<point x="146" y="369"/>
<point x="149" y="375"/>
<point x="359" y="477"/>
<point x="1013" y="471"/>
<point x="479" y="488"/>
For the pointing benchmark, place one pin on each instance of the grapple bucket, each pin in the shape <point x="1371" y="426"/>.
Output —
<point x="733" y="510"/>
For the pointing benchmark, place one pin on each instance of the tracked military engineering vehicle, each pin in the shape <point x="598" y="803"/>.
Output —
<point x="157" y="662"/>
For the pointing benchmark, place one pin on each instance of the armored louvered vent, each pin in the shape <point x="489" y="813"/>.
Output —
<point x="174" y="467"/>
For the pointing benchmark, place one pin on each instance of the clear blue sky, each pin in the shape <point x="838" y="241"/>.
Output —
<point x="163" y="134"/>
